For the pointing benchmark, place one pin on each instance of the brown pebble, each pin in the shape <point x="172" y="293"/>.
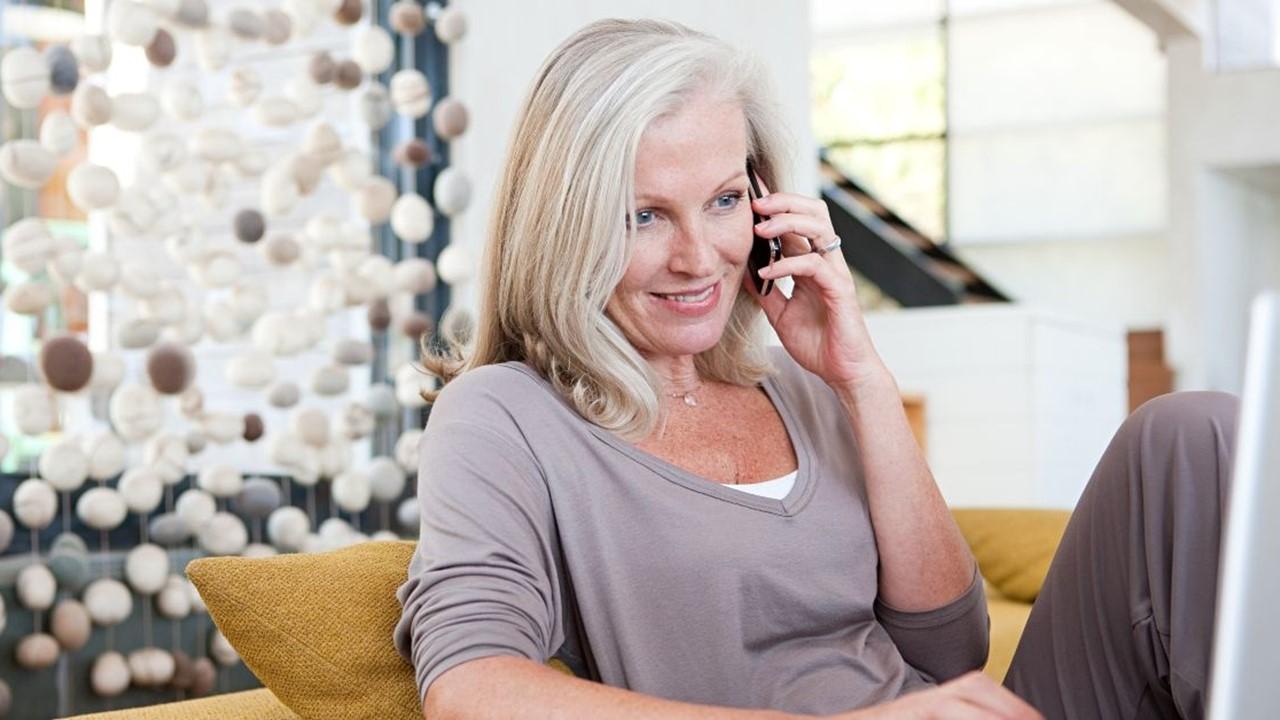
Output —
<point x="379" y="314"/>
<point x="253" y="427"/>
<point x="412" y="153"/>
<point x="406" y="18"/>
<point x="321" y="68"/>
<point x="183" y="671"/>
<point x="171" y="368"/>
<point x="349" y="12"/>
<point x="414" y="325"/>
<point x="347" y="75"/>
<point x="66" y="363"/>
<point x="277" y="27"/>
<point x="450" y="118"/>
<point x="204" y="676"/>
<point x="162" y="50"/>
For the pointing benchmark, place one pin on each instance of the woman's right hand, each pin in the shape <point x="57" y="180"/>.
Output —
<point x="973" y="696"/>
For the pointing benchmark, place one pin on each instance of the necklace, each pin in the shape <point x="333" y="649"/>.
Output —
<point x="687" y="396"/>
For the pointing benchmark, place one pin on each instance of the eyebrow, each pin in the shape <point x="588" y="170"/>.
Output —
<point x="650" y="196"/>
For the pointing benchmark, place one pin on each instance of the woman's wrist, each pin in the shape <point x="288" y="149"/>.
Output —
<point x="875" y="383"/>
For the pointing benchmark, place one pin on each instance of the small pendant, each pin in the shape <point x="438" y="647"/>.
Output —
<point x="690" y="400"/>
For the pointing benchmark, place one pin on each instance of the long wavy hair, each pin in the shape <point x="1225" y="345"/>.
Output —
<point x="558" y="244"/>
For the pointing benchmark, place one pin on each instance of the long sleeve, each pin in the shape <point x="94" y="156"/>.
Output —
<point x="483" y="579"/>
<point x="945" y="642"/>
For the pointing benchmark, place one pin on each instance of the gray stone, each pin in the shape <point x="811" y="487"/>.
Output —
<point x="168" y="529"/>
<point x="258" y="498"/>
<point x="64" y="70"/>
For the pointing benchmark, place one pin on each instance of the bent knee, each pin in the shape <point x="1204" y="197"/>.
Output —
<point x="1190" y="409"/>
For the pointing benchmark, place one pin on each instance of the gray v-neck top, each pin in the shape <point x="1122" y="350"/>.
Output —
<point x="544" y="535"/>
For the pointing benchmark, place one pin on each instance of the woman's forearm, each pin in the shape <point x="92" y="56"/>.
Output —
<point x="924" y="561"/>
<point x="494" y="688"/>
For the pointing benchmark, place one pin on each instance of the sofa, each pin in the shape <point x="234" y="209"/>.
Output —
<point x="351" y="592"/>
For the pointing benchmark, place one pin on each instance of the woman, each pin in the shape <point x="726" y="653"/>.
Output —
<point x="619" y="475"/>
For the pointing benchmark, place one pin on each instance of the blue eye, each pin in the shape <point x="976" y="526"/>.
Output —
<point x="644" y="217"/>
<point x="734" y="198"/>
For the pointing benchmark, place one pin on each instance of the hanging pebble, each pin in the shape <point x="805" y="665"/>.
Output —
<point x="322" y="68"/>
<point x="93" y="52"/>
<point x="410" y="93"/>
<point x="347" y="75"/>
<point x="412" y="219"/>
<point x="131" y="23"/>
<point x="287" y="527"/>
<point x="386" y="479"/>
<point x="91" y="106"/>
<point x="412" y="153"/>
<point x="108" y="601"/>
<point x="162" y="50"/>
<point x="375" y="106"/>
<point x="64" y="69"/>
<point x="450" y="118"/>
<point x="406" y="17"/>
<point x="141" y="488"/>
<point x="66" y="363"/>
<point x="34" y="503"/>
<point x="283" y="395"/>
<point x="70" y="624"/>
<point x="224" y="534"/>
<point x="64" y="465"/>
<point x="450" y="25"/>
<point x="58" y="133"/>
<point x="372" y="49"/>
<point x="36" y="651"/>
<point x="348" y="12"/>
<point x="245" y="24"/>
<point x="195" y="508"/>
<point x="146" y="567"/>
<point x="26" y="163"/>
<point x="101" y="508"/>
<point x="452" y="192"/>
<point x="192" y="13"/>
<point x="106" y="454"/>
<point x="35" y="587"/>
<point x="135" y="411"/>
<point x="110" y="674"/>
<point x="92" y="187"/>
<point x="24" y="77"/>
<point x="276" y="27"/>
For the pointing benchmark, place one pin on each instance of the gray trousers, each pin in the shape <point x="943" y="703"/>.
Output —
<point x="1123" y="627"/>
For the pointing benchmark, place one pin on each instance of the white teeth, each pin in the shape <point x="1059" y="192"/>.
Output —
<point x="692" y="298"/>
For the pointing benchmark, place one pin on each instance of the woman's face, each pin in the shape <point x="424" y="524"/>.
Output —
<point x="693" y="231"/>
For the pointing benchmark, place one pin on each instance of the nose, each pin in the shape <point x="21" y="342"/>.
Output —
<point x="693" y="252"/>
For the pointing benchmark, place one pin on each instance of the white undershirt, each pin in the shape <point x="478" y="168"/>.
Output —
<point x="776" y="488"/>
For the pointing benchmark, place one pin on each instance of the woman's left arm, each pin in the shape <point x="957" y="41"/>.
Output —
<point x="924" y="561"/>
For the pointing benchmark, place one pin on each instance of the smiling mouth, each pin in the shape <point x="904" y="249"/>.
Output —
<point x="690" y="296"/>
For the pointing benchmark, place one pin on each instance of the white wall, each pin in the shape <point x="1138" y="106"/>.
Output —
<point x="506" y="42"/>
<point x="1224" y="215"/>
<point x="1019" y="402"/>
<point x="1058" y="178"/>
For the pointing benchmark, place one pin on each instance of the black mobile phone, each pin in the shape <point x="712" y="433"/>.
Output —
<point x="764" y="251"/>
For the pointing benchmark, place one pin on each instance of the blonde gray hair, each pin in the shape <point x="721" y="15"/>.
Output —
<point x="558" y="244"/>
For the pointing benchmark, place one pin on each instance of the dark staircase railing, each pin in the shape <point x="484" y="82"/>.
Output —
<point x="900" y="260"/>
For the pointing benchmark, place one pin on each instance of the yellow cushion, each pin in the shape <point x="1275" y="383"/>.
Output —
<point x="1008" y="618"/>
<point x="316" y="628"/>
<point x="258" y="704"/>
<point x="1013" y="547"/>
